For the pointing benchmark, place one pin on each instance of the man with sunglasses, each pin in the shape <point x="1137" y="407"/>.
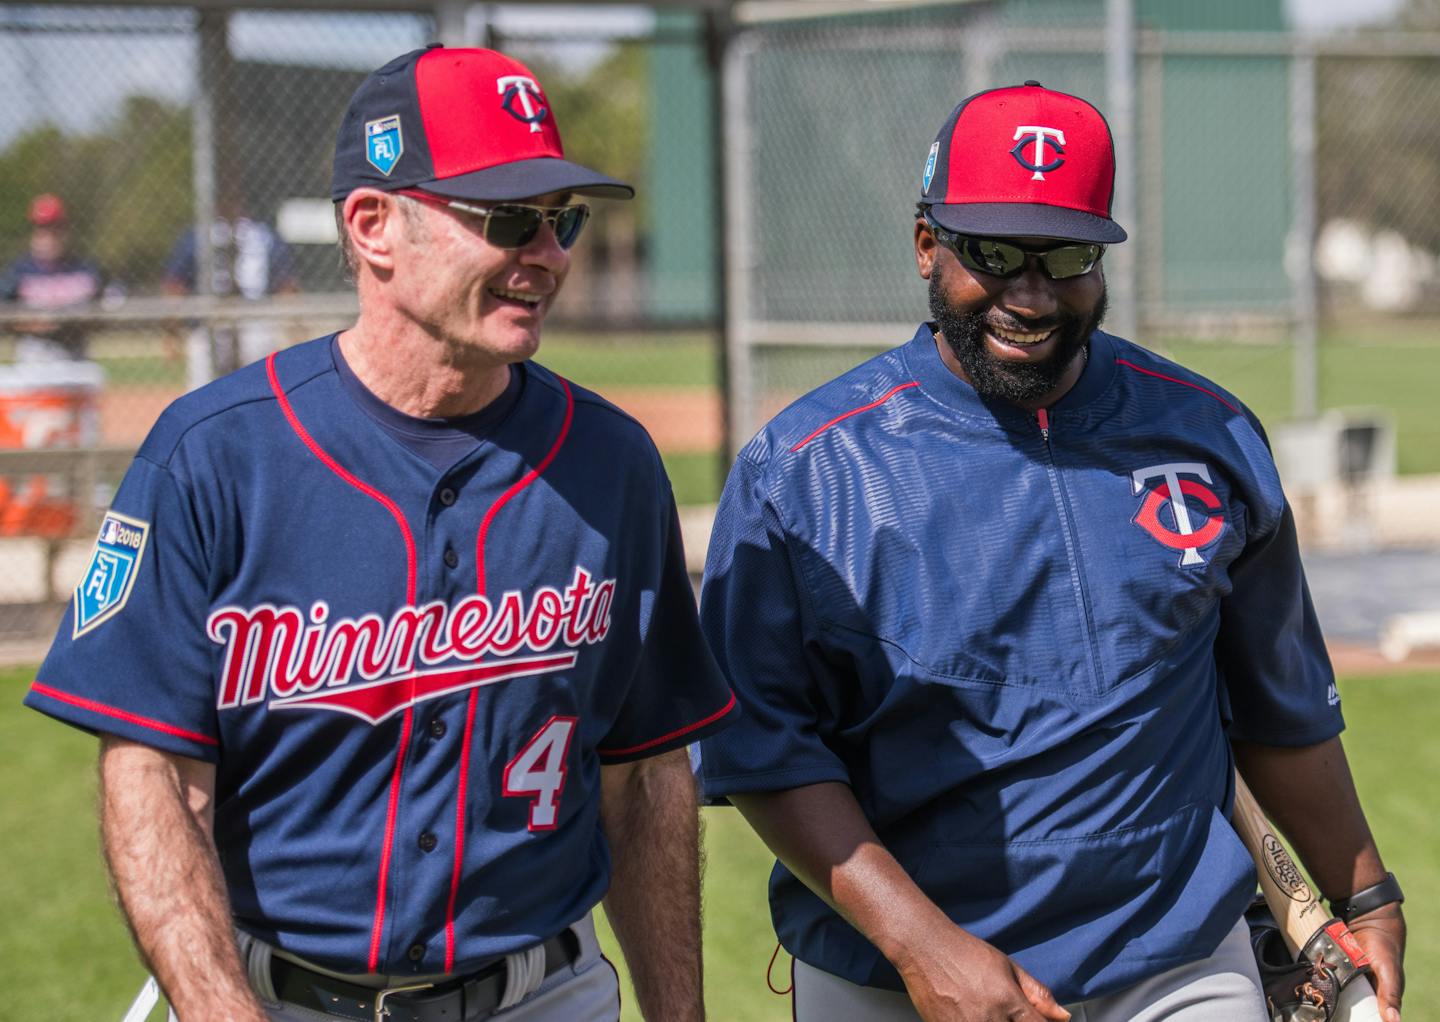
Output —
<point x="997" y="603"/>
<point x="389" y="638"/>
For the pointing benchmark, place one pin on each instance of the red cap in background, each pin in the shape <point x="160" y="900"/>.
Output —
<point x="46" y="210"/>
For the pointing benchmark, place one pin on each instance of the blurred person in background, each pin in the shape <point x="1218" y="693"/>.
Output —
<point x="48" y="279"/>
<point x="251" y="261"/>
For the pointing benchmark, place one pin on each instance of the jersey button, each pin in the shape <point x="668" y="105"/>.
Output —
<point x="437" y="728"/>
<point x="416" y="952"/>
<point x="447" y="496"/>
<point x="452" y="559"/>
<point x="428" y="841"/>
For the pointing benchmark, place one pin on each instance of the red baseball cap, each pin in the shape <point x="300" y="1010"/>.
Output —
<point x="1023" y="161"/>
<point x="46" y="210"/>
<point x="463" y="123"/>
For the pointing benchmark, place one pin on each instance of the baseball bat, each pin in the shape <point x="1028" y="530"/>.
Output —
<point x="1296" y="907"/>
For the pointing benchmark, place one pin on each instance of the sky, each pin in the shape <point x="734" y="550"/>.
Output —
<point x="41" y="47"/>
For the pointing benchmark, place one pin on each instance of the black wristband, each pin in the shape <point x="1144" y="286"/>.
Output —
<point x="1386" y="892"/>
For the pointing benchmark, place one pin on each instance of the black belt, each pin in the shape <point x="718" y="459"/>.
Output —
<point x="452" y="1000"/>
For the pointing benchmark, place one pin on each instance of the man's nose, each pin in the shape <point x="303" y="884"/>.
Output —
<point x="1030" y="293"/>
<point x="544" y="250"/>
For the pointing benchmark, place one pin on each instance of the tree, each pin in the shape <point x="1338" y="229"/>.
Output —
<point x="127" y="187"/>
<point x="1379" y="154"/>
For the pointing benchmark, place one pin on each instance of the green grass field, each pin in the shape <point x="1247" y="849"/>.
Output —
<point x="1394" y="370"/>
<point x="65" y="957"/>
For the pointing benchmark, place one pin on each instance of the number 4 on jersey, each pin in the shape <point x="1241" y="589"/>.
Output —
<point x="539" y="771"/>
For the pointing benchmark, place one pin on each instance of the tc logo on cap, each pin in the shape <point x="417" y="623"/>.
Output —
<point x="383" y="143"/>
<point x="1043" y="137"/>
<point x="521" y="88"/>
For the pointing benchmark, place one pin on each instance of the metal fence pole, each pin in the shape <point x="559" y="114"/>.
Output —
<point x="211" y="41"/>
<point x="1121" y="263"/>
<point x="739" y="241"/>
<point x="451" y="22"/>
<point x="718" y="32"/>
<point x="1301" y="247"/>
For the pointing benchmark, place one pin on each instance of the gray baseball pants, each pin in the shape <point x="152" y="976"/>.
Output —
<point x="1222" y="988"/>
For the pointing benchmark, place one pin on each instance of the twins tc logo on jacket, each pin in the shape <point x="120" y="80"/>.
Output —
<point x="1168" y="511"/>
<point x="372" y="668"/>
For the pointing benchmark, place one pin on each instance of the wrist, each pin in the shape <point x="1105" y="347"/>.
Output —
<point x="1368" y="899"/>
<point x="907" y="947"/>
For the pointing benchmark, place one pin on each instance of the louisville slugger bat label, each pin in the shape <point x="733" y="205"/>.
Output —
<point x="1284" y="872"/>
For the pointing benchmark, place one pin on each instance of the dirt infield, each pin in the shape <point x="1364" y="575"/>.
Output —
<point x="682" y="420"/>
<point x="1350" y="660"/>
<point x="127" y="413"/>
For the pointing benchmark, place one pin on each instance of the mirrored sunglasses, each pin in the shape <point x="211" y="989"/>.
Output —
<point x="1003" y="259"/>
<point x="515" y="224"/>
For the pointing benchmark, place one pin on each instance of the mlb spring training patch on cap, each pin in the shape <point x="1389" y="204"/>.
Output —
<point x="384" y="143"/>
<point x="110" y="575"/>
<point x="1024" y="160"/>
<point x="462" y="123"/>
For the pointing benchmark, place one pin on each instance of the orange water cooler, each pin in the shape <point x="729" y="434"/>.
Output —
<point x="45" y="405"/>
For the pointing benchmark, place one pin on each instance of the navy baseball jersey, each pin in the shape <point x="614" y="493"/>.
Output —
<point x="1020" y="639"/>
<point x="407" y="674"/>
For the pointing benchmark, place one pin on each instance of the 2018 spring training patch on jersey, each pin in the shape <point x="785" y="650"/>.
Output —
<point x="110" y="575"/>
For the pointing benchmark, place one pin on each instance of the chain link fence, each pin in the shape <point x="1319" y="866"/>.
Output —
<point x="165" y="217"/>
<point x="1286" y="191"/>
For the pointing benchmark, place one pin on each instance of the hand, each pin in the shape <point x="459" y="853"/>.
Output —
<point x="959" y="978"/>
<point x="1382" y="934"/>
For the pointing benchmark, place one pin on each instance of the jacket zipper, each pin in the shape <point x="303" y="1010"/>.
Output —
<point x="1072" y="551"/>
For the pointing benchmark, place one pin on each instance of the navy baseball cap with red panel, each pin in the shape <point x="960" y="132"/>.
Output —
<point x="1023" y="161"/>
<point x="462" y="123"/>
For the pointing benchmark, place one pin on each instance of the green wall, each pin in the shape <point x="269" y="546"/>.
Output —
<point x="684" y="231"/>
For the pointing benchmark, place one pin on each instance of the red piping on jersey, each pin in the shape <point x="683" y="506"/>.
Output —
<point x="378" y="927"/>
<point x="501" y="501"/>
<point x="673" y="734"/>
<point x="1173" y="379"/>
<point x="855" y="411"/>
<point x="459" y="831"/>
<point x="340" y="470"/>
<point x="524" y="481"/>
<point x="119" y="714"/>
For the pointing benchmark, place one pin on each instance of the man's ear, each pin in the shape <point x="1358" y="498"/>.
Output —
<point x="926" y="248"/>
<point x="371" y="216"/>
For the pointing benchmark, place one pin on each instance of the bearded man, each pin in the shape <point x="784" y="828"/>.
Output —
<point x="1004" y="606"/>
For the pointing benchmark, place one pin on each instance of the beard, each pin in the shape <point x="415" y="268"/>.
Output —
<point x="1019" y="383"/>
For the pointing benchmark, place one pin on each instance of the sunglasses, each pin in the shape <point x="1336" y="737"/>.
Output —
<point x="514" y="224"/>
<point x="1002" y="259"/>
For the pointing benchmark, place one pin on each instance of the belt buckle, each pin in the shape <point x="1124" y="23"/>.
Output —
<point x="382" y="1012"/>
